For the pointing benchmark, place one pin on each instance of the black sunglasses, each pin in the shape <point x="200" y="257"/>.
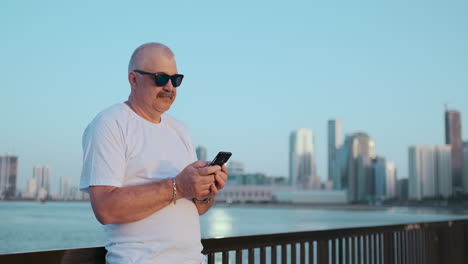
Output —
<point x="162" y="79"/>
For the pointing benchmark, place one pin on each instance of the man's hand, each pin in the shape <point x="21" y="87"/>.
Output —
<point x="196" y="179"/>
<point x="220" y="178"/>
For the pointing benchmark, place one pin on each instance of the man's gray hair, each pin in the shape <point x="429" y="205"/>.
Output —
<point x="138" y="56"/>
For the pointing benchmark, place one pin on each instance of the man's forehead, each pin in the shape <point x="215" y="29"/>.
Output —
<point x="158" y="60"/>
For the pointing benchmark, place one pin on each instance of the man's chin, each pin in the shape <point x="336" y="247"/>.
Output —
<point x="162" y="108"/>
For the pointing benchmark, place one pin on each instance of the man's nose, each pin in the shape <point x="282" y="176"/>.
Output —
<point x="169" y="87"/>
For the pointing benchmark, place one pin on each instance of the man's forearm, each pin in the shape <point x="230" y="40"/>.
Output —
<point x="131" y="203"/>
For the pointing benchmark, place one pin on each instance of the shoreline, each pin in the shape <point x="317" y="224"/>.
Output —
<point x="455" y="209"/>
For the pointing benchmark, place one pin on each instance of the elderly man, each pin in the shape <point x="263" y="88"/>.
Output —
<point x="140" y="169"/>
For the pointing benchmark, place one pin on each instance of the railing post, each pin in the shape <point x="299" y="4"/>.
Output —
<point x="333" y="251"/>
<point x="273" y="254"/>
<point x="239" y="256"/>
<point x="293" y="253"/>
<point x="284" y="253"/>
<point x="322" y="252"/>
<point x="353" y="250"/>
<point x="262" y="255"/>
<point x="211" y="258"/>
<point x="251" y="255"/>
<point x="359" y="249"/>
<point x="389" y="252"/>
<point x="311" y="252"/>
<point x="225" y="259"/>
<point x="341" y="245"/>
<point x="302" y="257"/>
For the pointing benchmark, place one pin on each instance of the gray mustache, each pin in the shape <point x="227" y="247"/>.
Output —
<point x="166" y="94"/>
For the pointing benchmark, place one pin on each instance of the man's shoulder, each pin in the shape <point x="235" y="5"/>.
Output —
<point x="114" y="111"/>
<point x="109" y="118"/>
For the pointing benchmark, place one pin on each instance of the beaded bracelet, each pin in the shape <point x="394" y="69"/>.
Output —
<point x="174" y="191"/>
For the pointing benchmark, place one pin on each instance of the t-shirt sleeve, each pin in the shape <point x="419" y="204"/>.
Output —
<point x="103" y="155"/>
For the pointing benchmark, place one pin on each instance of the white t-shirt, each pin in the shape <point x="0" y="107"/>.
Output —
<point x="122" y="149"/>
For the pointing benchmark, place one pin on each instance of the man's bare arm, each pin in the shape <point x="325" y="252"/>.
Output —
<point x="113" y="205"/>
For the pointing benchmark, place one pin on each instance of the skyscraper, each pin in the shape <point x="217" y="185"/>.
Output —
<point x="302" y="170"/>
<point x="8" y="176"/>
<point x="465" y="166"/>
<point x="201" y="153"/>
<point x="64" y="188"/>
<point x="453" y="138"/>
<point x="42" y="176"/>
<point x="357" y="153"/>
<point x="429" y="171"/>
<point x="334" y="143"/>
<point x="385" y="178"/>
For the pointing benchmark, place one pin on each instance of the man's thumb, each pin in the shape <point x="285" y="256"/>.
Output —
<point x="200" y="164"/>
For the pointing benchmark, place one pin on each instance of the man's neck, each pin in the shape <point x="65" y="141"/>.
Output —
<point x="153" y="118"/>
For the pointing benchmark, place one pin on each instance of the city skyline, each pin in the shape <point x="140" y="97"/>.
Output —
<point x="387" y="68"/>
<point x="364" y="175"/>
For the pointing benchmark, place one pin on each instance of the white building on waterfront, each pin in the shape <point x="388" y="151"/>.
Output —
<point x="302" y="168"/>
<point x="430" y="171"/>
<point x="310" y="196"/>
<point x="247" y="193"/>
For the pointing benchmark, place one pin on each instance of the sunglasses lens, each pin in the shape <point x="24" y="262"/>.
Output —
<point x="177" y="80"/>
<point x="162" y="79"/>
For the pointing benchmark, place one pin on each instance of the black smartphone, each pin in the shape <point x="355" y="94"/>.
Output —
<point x="221" y="158"/>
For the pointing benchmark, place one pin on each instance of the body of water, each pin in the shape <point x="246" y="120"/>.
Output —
<point x="32" y="226"/>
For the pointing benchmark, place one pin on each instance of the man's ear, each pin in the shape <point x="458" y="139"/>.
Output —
<point x="132" y="79"/>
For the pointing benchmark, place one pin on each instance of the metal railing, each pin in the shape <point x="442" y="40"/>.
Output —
<point x="417" y="243"/>
<point x="420" y="243"/>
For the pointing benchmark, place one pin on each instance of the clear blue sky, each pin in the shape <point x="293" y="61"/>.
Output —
<point x="255" y="70"/>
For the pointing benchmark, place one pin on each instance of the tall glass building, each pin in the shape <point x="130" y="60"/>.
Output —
<point x="8" y="176"/>
<point x="357" y="154"/>
<point x="384" y="179"/>
<point x="334" y="144"/>
<point x="454" y="139"/>
<point x="302" y="168"/>
<point x="465" y="166"/>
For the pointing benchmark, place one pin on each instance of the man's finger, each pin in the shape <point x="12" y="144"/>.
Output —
<point x="213" y="189"/>
<point x="209" y="170"/>
<point x="224" y="168"/>
<point x="200" y="164"/>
